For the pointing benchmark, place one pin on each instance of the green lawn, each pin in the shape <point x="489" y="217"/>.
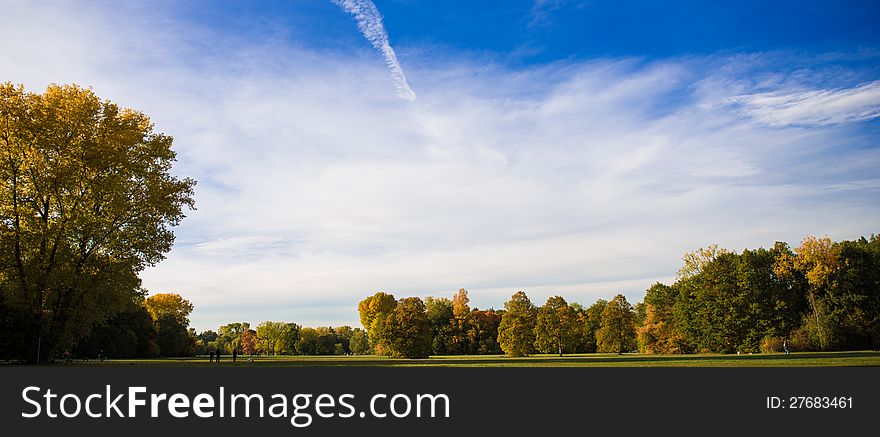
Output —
<point x="806" y="359"/>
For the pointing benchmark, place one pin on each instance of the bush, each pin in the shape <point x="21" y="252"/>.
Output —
<point x="771" y="344"/>
<point x="803" y="339"/>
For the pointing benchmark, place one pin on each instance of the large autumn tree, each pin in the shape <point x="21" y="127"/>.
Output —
<point x="87" y="201"/>
<point x="556" y="329"/>
<point x="483" y="331"/>
<point x="516" y="333"/>
<point x="373" y="311"/>
<point x="458" y="342"/>
<point x="407" y="333"/>
<point x="618" y="331"/>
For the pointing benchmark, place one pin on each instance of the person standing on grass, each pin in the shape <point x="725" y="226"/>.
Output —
<point x="211" y="356"/>
<point x="234" y="355"/>
<point x="218" y="356"/>
<point x="785" y="346"/>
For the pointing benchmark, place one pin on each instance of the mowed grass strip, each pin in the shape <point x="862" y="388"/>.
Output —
<point x="803" y="359"/>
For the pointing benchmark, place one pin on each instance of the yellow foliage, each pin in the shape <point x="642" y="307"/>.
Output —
<point x="169" y="304"/>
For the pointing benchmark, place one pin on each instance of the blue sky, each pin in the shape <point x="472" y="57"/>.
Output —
<point x="552" y="30"/>
<point x="557" y="147"/>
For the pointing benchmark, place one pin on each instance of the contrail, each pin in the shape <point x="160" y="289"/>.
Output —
<point x="370" y="23"/>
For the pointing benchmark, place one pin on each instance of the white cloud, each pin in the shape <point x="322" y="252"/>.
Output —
<point x="814" y="107"/>
<point x="317" y="188"/>
<point x="370" y="23"/>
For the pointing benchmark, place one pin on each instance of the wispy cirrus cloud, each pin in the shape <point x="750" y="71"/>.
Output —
<point x="817" y="107"/>
<point x="370" y="23"/>
<point x="542" y="10"/>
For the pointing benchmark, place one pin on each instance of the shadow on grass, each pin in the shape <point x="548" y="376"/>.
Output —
<point x="672" y="360"/>
<point x="806" y="359"/>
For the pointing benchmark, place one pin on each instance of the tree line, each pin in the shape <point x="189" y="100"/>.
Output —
<point x="821" y="295"/>
<point x="412" y="328"/>
<point x="158" y="326"/>
<point x="282" y="338"/>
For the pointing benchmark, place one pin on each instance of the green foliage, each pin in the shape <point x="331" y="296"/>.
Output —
<point x="342" y="336"/>
<point x="406" y="332"/>
<point x="129" y="334"/>
<point x="822" y="295"/>
<point x="736" y="301"/>
<point x="591" y="321"/>
<point x="308" y="342"/>
<point x="796" y="359"/>
<point x="617" y="333"/>
<point x="206" y="341"/>
<point x="556" y="328"/>
<point x="359" y="344"/>
<point x="325" y="344"/>
<point x="274" y="338"/>
<point x="516" y="333"/>
<point x="440" y="317"/>
<point x="173" y="337"/>
<point x="229" y="337"/>
<point x="854" y="302"/>
<point x="831" y="290"/>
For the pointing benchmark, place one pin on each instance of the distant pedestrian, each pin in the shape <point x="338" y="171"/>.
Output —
<point x="218" y="357"/>
<point x="785" y="346"/>
<point x="234" y="355"/>
<point x="211" y="356"/>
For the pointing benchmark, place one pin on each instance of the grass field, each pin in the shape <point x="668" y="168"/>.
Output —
<point x="806" y="359"/>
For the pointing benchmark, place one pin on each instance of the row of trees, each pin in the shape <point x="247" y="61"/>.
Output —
<point x="821" y="295"/>
<point x="558" y="327"/>
<point x="283" y="338"/>
<point x="158" y="326"/>
<point x="411" y="328"/>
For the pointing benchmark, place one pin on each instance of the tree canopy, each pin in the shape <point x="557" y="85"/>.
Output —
<point x="556" y="329"/>
<point x="618" y="331"/>
<point x="87" y="201"/>
<point x="516" y="333"/>
<point x="407" y="332"/>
